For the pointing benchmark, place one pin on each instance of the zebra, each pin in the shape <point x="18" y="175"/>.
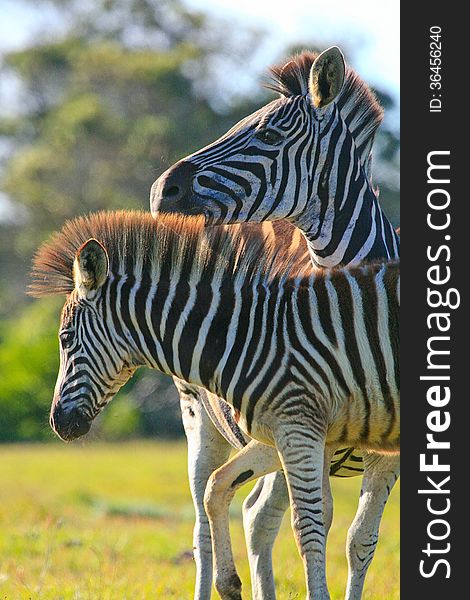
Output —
<point x="305" y="157"/>
<point x="302" y="375"/>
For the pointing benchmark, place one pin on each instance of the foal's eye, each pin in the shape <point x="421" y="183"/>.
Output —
<point x="269" y="136"/>
<point x="66" y="338"/>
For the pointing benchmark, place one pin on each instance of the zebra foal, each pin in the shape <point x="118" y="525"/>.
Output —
<point x="302" y="375"/>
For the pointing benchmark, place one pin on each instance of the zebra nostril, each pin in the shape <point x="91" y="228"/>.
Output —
<point x="172" y="191"/>
<point x="69" y="424"/>
<point x="81" y="426"/>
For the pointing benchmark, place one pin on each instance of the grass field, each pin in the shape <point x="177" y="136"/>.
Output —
<point x="114" y="522"/>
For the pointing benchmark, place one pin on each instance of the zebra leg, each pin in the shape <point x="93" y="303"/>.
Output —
<point x="253" y="461"/>
<point x="207" y="450"/>
<point x="380" y="475"/>
<point x="327" y="495"/>
<point x="302" y="455"/>
<point x="263" y="511"/>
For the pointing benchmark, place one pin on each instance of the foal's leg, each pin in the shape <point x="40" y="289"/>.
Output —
<point x="380" y="475"/>
<point x="253" y="461"/>
<point x="302" y="455"/>
<point x="207" y="450"/>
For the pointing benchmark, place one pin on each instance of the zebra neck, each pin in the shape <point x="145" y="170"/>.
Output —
<point x="200" y="330"/>
<point x="345" y="223"/>
<point x="169" y="324"/>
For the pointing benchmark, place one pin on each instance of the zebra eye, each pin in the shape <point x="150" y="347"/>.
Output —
<point x="269" y="136"/>
<point x="66" y="338"/>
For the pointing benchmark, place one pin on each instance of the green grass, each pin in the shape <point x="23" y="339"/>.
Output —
<point x="114" y="522"/>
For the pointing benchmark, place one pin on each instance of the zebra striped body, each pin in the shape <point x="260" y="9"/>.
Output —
<point x="211" y="310"/>
<point x="291" y="249"/>
<point x="297" y="342"/>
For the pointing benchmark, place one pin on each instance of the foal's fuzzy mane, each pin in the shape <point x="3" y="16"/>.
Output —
<point x="358" y="104"/>
<point x="137" y="243"/>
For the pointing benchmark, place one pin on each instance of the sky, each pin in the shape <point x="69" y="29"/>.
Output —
<point x="369" y="28"/>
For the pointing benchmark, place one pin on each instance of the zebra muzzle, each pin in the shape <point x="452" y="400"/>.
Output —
<point x="172" y="190"/>
<point x="69" y="424"/>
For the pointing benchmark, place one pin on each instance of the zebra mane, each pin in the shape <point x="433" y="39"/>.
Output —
<point x="357" y="103"/>
<point x="137" y="243"/>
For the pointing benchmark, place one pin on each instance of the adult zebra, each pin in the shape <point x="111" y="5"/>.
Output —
<point x="304" y="157"/>
<point x="302" y="375"/>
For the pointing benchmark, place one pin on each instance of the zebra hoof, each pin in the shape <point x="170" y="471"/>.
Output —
<point x="229" y="587"/>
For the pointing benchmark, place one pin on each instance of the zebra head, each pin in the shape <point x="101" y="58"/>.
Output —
<point x="270" y="164"/>
<point x="92" y="366"/>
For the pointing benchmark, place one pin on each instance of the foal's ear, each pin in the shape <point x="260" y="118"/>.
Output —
<point x="326" y="77"/>
<point x="90" y="267"/>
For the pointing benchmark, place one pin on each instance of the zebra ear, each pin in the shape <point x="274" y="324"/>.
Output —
<point x="326" y="77"/>
<point x="90" y="267"/>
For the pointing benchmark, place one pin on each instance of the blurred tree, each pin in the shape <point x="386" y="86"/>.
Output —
<point x="128" y="87"/>
<point x="28" y="363"/>
<point x="101" y="115"/>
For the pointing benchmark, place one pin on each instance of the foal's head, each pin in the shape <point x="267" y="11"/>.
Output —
<point x="93" y="365"/>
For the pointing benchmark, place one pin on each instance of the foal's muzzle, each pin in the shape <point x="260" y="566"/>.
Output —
<point x="69" y="424"/>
